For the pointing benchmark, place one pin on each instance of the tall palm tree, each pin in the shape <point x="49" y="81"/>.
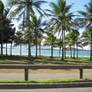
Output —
<point x="37" y="28"/>
<point x="61" y="19"/>
<point x="72" y="40"/>
<point x="28" y="7"/>
<point x="86" y="21"/>
<point x="50" y="40"/>
<point x="19" y="40"/>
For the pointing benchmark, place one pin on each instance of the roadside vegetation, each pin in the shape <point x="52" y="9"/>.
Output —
<point x="42" y="59"/>
<point x="32" y="28"/>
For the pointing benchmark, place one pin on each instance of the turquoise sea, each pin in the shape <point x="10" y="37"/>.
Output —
<point x="45" y="51"/>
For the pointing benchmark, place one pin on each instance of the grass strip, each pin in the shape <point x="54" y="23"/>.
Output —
<point x="48" y="80"/>
<point x="41" y="59"/>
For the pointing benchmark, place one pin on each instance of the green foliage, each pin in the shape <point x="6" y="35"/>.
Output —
<point x="86" y="38"/>
<point x="1" y="7"/>
<point x="41" y="59"/>
<point x="49" y="80"/>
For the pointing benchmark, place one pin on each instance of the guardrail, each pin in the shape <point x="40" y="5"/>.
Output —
<point x="26" y="67"/>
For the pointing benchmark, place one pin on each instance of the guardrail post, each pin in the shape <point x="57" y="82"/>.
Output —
<point x="26" y="74"/>
<point x="81" y="73"/>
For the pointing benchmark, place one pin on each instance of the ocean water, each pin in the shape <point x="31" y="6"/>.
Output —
<point x="45" y="51"/>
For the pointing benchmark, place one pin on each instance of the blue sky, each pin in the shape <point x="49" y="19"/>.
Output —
<point x="77" y="5"/>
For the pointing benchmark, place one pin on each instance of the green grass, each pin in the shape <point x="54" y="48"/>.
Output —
<point x="48" y="80"/>
<point x="80" y="59"/>
<point x="43" y="59"/>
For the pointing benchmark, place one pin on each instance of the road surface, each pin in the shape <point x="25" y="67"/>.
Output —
<point x="42" y="74"/>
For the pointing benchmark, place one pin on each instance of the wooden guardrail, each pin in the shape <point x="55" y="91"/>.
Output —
<point x="26" y="67"/>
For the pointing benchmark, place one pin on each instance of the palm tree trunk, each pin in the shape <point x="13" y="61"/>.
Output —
<point x="39" y="49"/>
<point x="59" y="50"/>
<point x="36" y="49"/>
<point x="6" y="49"/>
<point x="77" y="50"/>
<point x="1" y="49"/>
<point x="62" y="46"/>
<point x="70" y="52"/>
<point x="36" y="36"/>
<point x="51" y="49"/>
<point x="29" y="51"/>
<point x="1" y="42"/>
<point x="74" y="52"/>
<point x="20" y="49"/>
<point x="91" y="48"/>
<point x="28" y="23"/>
<point x="11" y="49"/>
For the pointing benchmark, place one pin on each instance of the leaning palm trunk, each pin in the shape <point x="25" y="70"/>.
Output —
<point x="91" y="48"/>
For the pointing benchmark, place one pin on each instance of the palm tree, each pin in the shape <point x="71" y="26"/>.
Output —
<point x="58" y="43"/>
<point x="72" y="40"/>
<point x="61" y="19"/>
<point x="37" y="28"/>
<point x="28" y="7"/>
<point x="50" y="40"/>
<point x="85" y="38"/>
<point x="19" y="40"/>
<point x="86" y="21"/>
<point x="28" y="36"/>
<point x="69" y="42"/>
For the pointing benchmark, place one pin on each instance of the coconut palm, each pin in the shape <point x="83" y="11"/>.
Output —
<point x="50" y="40"/>
<point x="28" y="7"/>
<point x="85" y="38"/>
<point x="72" y="41"/>
<point x="86" y="21"/>
<point x="19" y="40"/>
<point x="61" y="19"/>
<point x="58" y="43"/>
<point x="37" y="28"/>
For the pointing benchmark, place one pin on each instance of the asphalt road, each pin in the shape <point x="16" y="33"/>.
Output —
<point x="42" y="75"/>
<point x="49" y="90"/>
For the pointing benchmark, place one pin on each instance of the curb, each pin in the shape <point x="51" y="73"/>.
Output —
<point x="44" y="85"/>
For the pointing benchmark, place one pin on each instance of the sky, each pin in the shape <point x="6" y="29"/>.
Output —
<point x="76" y="5"/>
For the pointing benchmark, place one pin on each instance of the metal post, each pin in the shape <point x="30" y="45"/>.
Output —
<point x="26" y="74"/>
<point x="81" y="73"/>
